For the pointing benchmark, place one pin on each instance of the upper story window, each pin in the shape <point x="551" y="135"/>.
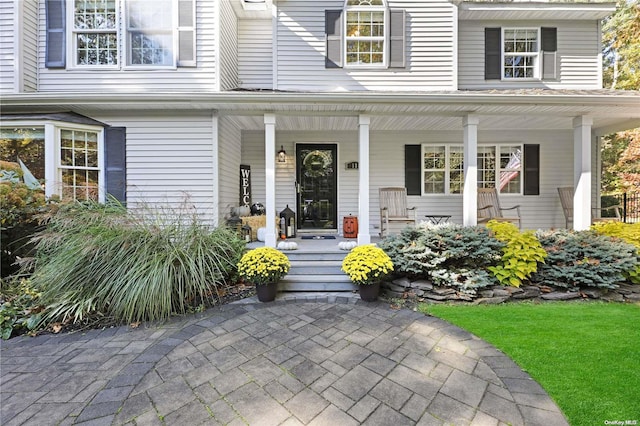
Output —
<point x="513" y="54"/>
<point x="94" y="32"/>
<point x="520" y="53"/>
<point x="149" y="32"/>
<point x="365" y="32"/>
<point x="116" y="33"/>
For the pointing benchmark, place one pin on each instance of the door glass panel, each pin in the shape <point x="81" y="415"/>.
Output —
<point x="317" y="189"/>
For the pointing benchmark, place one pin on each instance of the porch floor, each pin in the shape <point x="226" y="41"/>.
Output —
<point x="314" y="245"/>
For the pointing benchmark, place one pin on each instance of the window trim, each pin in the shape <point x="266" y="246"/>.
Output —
<point x="52" y="146"/>
<point x="447" y="178"/>
<point x="127" y="65"/>
<point x="122" y="41"/>
<point x="99" y="131"/>
<point x="385" y="39"/>
<point x="537" y="75"/>
<point x="72" y="45"/>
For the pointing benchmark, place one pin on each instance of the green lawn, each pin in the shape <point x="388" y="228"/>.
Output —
<point x="586" y="355"/>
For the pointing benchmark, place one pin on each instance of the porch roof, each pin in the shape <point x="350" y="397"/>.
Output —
<point x="534" y="109"/>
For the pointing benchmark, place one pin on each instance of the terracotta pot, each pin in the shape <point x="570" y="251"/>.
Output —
<point x="369" y="292"/>
<point x="267" y="292"/>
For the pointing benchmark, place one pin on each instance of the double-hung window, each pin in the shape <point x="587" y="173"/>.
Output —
<point x="79" y="167"/>
<point x="149" y="32"/>
<point x="499" y="166"/>
<point x="520" y="53"/>
<point x="94" y="32"/>
<point x="132" y="33"/>
<point x="366" y="28"/>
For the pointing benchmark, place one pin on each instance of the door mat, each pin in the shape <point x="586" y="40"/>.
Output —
<point x="318" y="237"/>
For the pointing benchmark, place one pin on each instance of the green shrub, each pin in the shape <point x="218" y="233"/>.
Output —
<point x="521" y="254"/>
<point x="20" y="308"/>
<point x="584" y="259"/>
<point x="95" y="258"/>
<point x="629" y="233"/>
<point x="19" y="207"/>
<point x="450" y="255"/>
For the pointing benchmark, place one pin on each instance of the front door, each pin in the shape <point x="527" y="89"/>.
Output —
<point x="316" y="178"/>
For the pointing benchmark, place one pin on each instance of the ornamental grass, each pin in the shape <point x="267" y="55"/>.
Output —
<point x="101" y="259"/>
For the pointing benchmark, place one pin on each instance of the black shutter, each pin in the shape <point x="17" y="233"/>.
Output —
<point x="549" y="47"/>
<point x="412" y="169"/>
<point x="492" y="53"/>
<point x="549" y="39"/>
<point x="531" y="169"/>
<point x="55" y="42"/>
<point x="333" y="34"/>
<point x="397" y="38"/>
<point x="116" y="162"/>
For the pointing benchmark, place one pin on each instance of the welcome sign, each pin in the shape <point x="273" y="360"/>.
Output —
<point x="245" y="185"/>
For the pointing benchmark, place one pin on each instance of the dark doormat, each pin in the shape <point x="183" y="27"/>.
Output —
<point x="318" y="237"/>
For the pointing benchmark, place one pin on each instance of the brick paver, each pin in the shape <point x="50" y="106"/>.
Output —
<point x="326" y="361"/>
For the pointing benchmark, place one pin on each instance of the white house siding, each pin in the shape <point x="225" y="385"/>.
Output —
<point x="387" y="165"/>
<point x="229" y="145"/>
<point x="255" y="54"/>
<point x="29" y="45"/>
<point x="7" y="40"/>
<point x="191" y="79"/>
<point x="577" y="55"/>
<point x="170" y="160"/>
<point x="430" y="58"/>
<point x="228" y="47"/>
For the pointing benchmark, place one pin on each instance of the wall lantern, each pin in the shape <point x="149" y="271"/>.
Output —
<point x="282" y="155"/>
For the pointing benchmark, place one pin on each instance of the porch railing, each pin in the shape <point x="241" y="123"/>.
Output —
<point x="630" y="205"/>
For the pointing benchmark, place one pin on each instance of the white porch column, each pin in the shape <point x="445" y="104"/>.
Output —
<point x="470" y="189"/>
<point x="363" y="186"/>
<point x="270" y="178"/>
<point x="582" y="172"/>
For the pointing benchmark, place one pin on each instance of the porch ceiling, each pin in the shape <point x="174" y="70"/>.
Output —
<point x="508" y="110"/>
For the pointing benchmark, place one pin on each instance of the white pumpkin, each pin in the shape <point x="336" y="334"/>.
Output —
<point x="287" y="245"/>
<point x="347" y="245"/>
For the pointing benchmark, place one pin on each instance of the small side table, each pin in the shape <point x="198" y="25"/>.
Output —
<point x="438" y="218"/>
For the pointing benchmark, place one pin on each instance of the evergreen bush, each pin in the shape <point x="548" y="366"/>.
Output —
<point x="448" y="254"/>
<point x="584" y="259"/>
<point x="627" y="232"/>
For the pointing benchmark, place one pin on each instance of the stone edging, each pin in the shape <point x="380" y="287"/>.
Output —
<point x="425" y="291"/>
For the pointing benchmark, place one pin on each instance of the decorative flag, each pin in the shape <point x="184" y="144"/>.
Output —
<point x="510" y="173"/>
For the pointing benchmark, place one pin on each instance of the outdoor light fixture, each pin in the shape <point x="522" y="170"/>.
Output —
<point x="282" y="155"/>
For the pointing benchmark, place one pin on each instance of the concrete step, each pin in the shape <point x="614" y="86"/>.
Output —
<point x="315" y="256"/>
<point x="316" y="271"/>
<point x="316" y="267"/>
<point x="315" y="283"/>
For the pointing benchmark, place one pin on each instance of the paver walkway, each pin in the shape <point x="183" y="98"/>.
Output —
<point x="333" y="361"/>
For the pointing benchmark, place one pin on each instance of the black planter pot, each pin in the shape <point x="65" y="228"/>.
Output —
<point x="267" y="292"/>
<point x="369" y="293"/>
